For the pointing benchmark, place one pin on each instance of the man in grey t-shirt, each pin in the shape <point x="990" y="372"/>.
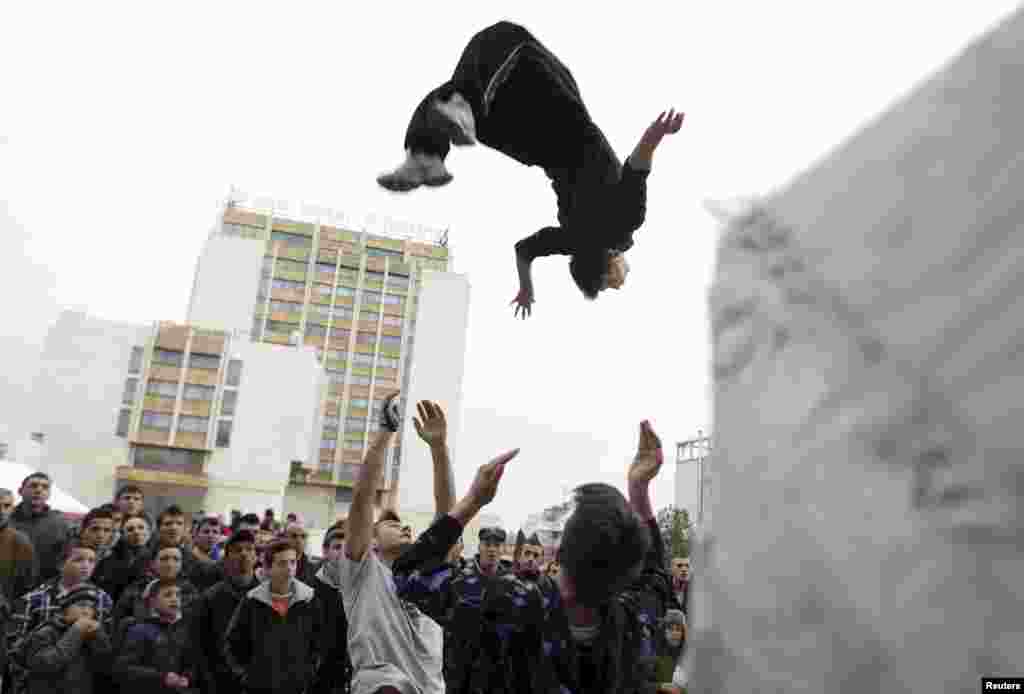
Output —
<point x="395" y="648"/>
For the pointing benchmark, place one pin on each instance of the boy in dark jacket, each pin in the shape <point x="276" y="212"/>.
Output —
<point x="66" y="653"/>
<point x="273" y="641"/>
<point x="213" y="612"/>
<point x="156" y="655"/>
<point x="166" y="565"/>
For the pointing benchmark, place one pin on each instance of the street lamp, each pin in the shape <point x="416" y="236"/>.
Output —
<point x="696" y="451"/>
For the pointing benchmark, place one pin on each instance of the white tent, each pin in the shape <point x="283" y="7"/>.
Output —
<point x="11" y="476"/>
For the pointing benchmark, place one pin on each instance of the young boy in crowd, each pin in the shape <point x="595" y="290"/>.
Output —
<point x="98" y="531"/>
<point x="273" y="641"/>
<point x="214" y="610"/>
<point x="67" y="653"/>
<point x="157" y="654"/>
<point x="164" y="564"/>
<point x="671" y="677"/>
<point x="206" y="571"/>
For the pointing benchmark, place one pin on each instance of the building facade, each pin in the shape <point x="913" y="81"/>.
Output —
<point x="193" y="416"/>
<point x="366" y="306"/>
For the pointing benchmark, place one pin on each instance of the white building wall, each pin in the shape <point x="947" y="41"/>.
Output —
<point x="76" y="399"/>
<point x="226" y="283"/>
<point x="439" y="356"/>
<point x="274" y="422"/>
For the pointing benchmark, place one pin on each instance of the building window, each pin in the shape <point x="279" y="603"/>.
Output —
<point x="166" y="357"/>
<point x="340" y="334"/>
<point x="135" y="363"/>
<point x="281" y="328"/>
<point x="398" y="282"/>
<point x="194" y="392"/>
<point x="156" y="420"/>
<point x="223" y="433"/>
<point x="337" y="354"/>
<point x="130" y="386"/>
<point x="292" y="239"/>
<point x="203" y="361"/>
<point x="392" y="299"/>
<point x="324" y="289"/>
<point x="228" y="402"/>
<point x="363" y="338"/>
<point x="330" y="443"/>
<point x="354" y="446"/>
<point x="162" y="389"/>
<point x="387" y="362"/>
<point x="288" y="284"/>
<point x="353" y="424"/>
<point x="124" y="419"/>
<point x="390" y="341"/>
<point x="374" y="276"/>
<point x="194" y="425"/>
<point x="285" y="307"/>
<point x="385" y="379"/>
<point x="363" y="359"/>
<point x="345" y="291"/>
<point x="330" y="423"/>
<point x="290" y="266"/>
<point x="371" y="297"/>
<point x="234" y="372"/>
<point x="359" y="380"/>
<point x="359" y="403"/>
<point x="156" y="458"/>
<point x="342" y="313"/>
<point x="336" y="377"/>
<point x="314" y="330"/>
<point x="321" y="311"/>
<point x="383" y="252"/>
<point x="325" y="267"/>
<point x="393" y="321"/>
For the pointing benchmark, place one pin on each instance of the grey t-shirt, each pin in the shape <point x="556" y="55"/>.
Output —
<point x="391" y="643"/>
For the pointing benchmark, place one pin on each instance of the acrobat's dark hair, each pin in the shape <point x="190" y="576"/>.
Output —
<point x="588" y="270"/>
<point x="603" y="544"/>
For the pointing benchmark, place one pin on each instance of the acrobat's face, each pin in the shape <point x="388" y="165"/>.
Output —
<point x="618" y="269"/>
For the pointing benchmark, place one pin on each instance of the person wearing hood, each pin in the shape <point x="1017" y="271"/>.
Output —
<point x="126" y="562"/>
<point x="529" y="553"/>
<point x="18" y="568"/>
<point x="273" y="641"/>
<point x="70" y="650"/>
<point x="216" y="606"/>
<point x="157" y="655"/>
<point x="671" y="677"/>
<point x="46" y="528"/>
<point x="335" y="668"/>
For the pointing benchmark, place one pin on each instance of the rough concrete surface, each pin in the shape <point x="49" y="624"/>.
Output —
<point x="863" y="526"/>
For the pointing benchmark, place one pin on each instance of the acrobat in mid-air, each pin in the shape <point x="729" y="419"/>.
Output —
<point x="512" y="94"/>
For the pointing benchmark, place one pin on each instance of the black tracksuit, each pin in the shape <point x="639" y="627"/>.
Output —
<point x="335" y="670"/>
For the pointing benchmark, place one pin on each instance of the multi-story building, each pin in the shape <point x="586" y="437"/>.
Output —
<point x="378" y="313"/>
<point x="549" y="525"/>
<point x="194" y="416"/>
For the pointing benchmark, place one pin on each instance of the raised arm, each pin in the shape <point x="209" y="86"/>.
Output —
<point x="668" y="123"/>
<point x="432" y="428"/>
<point x="360" y="514"/>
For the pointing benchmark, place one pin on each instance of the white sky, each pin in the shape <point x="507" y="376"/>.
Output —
<point x="123" y="126"/>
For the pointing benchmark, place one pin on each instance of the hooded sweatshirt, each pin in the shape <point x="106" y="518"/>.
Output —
<point x="270" y="652"/>
<point x="48" y="531"/>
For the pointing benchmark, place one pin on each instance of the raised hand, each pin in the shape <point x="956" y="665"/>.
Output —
<point x="649" y="456"/>
<point x="485" y="484"/>
<point x="524" y="302"/>
<point x="667" y="123"/>
<point x="431" y="424"/>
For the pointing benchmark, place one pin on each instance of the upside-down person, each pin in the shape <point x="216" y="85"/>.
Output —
<point x="512" y="94"/>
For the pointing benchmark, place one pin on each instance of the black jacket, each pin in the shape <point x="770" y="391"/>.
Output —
<point x="267" y="652"/>
<point x="59" y="660"/>
<point x="211" y="616"/>
<point x="131" y="604"/>
<point x="119" y="569"/>
<point x="48" y="532"/>
<point x="151" y="649"/>
<point x="335" y="668"/>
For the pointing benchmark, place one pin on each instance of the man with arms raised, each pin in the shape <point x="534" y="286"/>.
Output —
<point x="395" y="648"/>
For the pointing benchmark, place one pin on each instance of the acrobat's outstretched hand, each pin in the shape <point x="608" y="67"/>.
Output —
<point x="524" y="302"/>
<point x="667" y="123"/>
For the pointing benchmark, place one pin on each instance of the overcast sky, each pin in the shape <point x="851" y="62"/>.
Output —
<point x="124" y="126"/>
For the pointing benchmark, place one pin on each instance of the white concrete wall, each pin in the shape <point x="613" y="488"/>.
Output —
<point x="227" y="280"/>
<point x="864" y="513"/>
<point x="439" y="357"/>
<point x="277" y="400"/>
<point x="76" y="398"/>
